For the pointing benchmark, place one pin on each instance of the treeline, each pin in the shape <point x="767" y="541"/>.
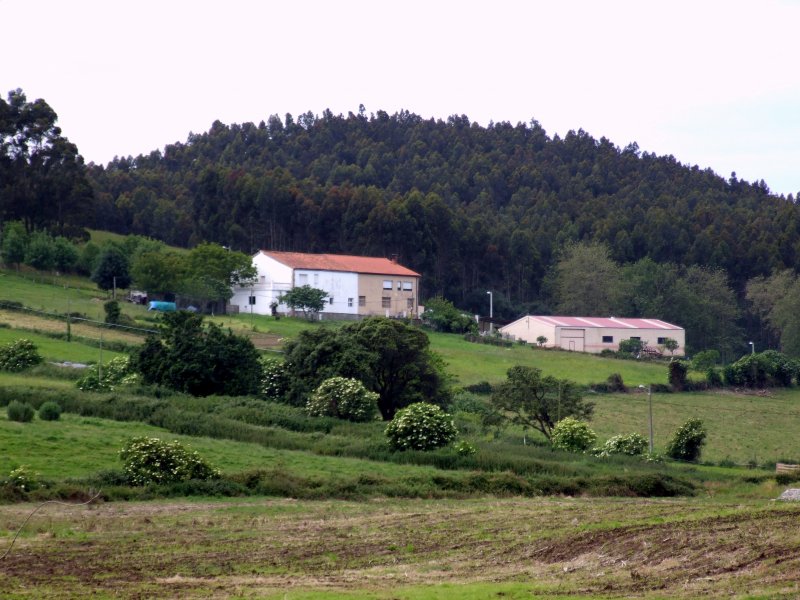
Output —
<point x="471" y="207"/>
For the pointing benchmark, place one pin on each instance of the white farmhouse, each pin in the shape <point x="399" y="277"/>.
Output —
<point x="594" y="334"/>
<point x="356" y="285"/>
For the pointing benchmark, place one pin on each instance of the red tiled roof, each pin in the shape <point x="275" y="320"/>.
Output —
<point x="341" y="262"/>
<point x="615" y="322"/>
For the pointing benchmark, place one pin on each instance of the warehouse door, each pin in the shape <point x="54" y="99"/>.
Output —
<point x="573" y="339"/>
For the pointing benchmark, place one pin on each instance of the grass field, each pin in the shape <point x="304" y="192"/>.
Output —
<point x="78" y="446"/>
<point x="405" y="550"/>
<point x="55" y="350"/>
<point x="742" y="427"/>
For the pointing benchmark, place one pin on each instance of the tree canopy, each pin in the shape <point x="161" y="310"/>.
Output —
<point x="389" y="357"/>
<point x="529" y="399"/>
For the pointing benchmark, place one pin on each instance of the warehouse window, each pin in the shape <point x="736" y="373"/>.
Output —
<point x="608" y="339"/>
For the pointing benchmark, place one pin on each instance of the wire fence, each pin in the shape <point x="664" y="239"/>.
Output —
<point x="69" y="318"/>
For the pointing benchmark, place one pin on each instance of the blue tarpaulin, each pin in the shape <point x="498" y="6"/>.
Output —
<point x="162" y="306"/>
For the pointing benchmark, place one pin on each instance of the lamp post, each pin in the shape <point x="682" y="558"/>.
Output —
<point x="752" y="347"/>
<point x="650" y="409"/>
<point x="491" y="313"/>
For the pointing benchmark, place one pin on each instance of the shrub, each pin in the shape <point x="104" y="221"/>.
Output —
<point x="19" y="355"/>
<point x="113" y="311"/>
<point x="115" y="372"/>
<point x="464" y="448"/>
<point x="630" y="445"/>
<point x="151" y="460"/>
<point x="631" y="346"/>
<point x="713" y="378"/>
<point x="274" y="379"/>
<point x="615" y="383"/>
<point x="687" y="441"/>
<point x="482" y="387"/>
<point x="50" y="411"/>
<point x="23" y="480"/>
<point x="705" y="359"/>
<point x="420" y="426"/>
<point x="343" y="398"/>
<point x="21" y="412"/>
<point x="441" y="315"/>
<point x="678" y="371"/>
<point x="572" y="435"/>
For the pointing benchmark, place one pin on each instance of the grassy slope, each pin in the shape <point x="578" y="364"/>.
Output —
<point x="58" y="350"/>
<point x="80" y="446"/>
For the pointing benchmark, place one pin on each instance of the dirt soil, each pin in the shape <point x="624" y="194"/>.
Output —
<point x="599" y="548"/>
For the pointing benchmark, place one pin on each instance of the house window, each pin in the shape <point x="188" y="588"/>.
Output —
<point x="399" y="285"/>
<point x="362" y="300"/>
<point x="263" y="279"/>
<point x="406" y="286"/>
<point x="608" y="339"/>
<point x="387" y="284"/>
<point x="662" y="340"/>
<point x="331" y="300"/>
<point x="410" y="303"/>
<point x="303" y="278"/>
<point x="252" y="299"/>
<point x="350" y="303"/>
<point x="386" y="302"/>
<point x="316" y="279"/>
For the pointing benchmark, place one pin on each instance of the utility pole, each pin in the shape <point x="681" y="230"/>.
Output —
<point x="69" y="323"/>
<point x="650" y="410"/>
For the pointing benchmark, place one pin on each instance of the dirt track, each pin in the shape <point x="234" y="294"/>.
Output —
<point x="613" y="548"/>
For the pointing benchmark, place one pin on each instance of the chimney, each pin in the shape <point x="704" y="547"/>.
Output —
<point x="393" y="258"/>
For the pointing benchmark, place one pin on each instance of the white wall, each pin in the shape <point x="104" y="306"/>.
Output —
<point x="273" y="279"/>
<point x="339" y="285"/>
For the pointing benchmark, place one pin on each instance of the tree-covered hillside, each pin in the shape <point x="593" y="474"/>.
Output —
<point x="506" y="208"/>
<point x="471" y="207"/>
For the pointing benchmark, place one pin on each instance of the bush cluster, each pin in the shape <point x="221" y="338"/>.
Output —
<point x="769" y="368"/>
<point x="22" y="412"/>
<point x="343" y="398"/>
<point x="420" y="426"/>
<point x="442" y="315"/>
<point x="573" y="435"/>
<point x="19" y="355"/>
<point x="630" y="445"/>
<point x="115" y="372"/>
<point x="151" y="460"/>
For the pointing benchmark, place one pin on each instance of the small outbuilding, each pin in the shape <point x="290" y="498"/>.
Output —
<point x="595" y="334"/>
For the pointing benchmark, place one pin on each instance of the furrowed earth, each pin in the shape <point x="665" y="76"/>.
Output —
<point x="515" y="548"/>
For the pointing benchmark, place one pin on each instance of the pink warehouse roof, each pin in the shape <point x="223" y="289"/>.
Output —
<point x="606" y="322"/>
<point x="341" y="262"/>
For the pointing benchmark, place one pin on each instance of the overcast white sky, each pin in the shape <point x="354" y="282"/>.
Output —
<point x="714" y="83"/>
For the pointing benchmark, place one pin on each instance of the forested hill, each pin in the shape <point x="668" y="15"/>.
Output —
<point x="471" y="207"/>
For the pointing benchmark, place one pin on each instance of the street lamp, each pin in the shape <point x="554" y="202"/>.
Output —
<point x="752" y="347"/>
<point x="650" y="406"/>
<point x="491" y="312"/>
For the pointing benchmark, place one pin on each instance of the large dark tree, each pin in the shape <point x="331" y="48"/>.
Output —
<point x="200" y="360"/>
<point x="386" y="355"/>
<point x="42" y="177"/>
<point x="112" y="269"/>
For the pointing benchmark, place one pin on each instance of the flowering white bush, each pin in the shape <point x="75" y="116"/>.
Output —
<point x="116" y="372"/>
<point x="22" y="479"/>
<point x="420" y="426"/>
<point x="343" y="398"/>
<point x="151" y="460"/>
<point x="19" y="355"/>
<point x="274" y="379"/>
<point x="573" y="435"/>
<point x="632" y="445"/>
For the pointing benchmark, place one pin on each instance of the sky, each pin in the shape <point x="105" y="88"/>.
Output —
<point x="713" y="83"/>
